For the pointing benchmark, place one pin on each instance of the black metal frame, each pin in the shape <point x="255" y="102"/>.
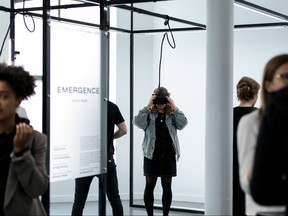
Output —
<point x="46" y="92"/>
<point x="124" y="5"/>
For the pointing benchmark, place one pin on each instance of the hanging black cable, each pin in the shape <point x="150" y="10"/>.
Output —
<point x="2" y="46"/>
<point x="25" y="14"/>
<point x="172" y="45"/>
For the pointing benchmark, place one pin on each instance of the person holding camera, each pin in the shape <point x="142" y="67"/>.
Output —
<point x="160" y="120"/>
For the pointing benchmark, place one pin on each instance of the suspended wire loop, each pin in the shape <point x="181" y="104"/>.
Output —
<point x="172" y="45"/>
<point x="24" y="14"/>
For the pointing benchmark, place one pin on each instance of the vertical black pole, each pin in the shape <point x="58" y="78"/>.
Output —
<point x="131" y="107"/>
<point x="104" y="28"/>
<point x="46" y="93"/>
<point x="102" y="194"/>
<point x="12" y="31"/>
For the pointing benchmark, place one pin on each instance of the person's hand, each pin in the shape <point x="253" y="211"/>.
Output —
<point x="249" y="174"/>
<point x="171" y="102"/>
<point x="22" y="135"/>
<point x="150" y="103"/>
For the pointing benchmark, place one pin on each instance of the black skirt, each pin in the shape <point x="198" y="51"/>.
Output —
<point x="161" y="164"/>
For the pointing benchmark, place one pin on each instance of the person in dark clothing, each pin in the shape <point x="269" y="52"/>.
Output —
<point x="23" y="174"/>
<point x="82" y="184"/>
<point x="268" y="183"/>
<point x="160" y="120"/>
<point x="247" y="94"/>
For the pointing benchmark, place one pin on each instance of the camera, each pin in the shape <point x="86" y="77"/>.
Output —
<point x="160" y="99"/>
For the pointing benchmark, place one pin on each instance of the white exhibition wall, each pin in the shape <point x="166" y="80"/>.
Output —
<point x="4" y="23"/>
<point x="184" y="74"/>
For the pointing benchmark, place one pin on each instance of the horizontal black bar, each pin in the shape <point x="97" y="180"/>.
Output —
<point x="262" y="25"/>
<point x="115" y="2"/>
<point x="138" y="10"/>
<point x="66" y="20"/>
<point x="261" y="9"/>
<point x="166" y="30"/>
<point x="240" y="26"/>
<point x="5" y="9"/>
<point x="75" y="21"/>
<point x="120" y="30"/>
<point x="56" y="7"/>
<point x="79" y="22"/>
<point x="259" y="25"/>
<point x="141" y="11"/>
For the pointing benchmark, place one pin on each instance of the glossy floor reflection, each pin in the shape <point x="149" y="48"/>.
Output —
<point x="91" y="209"/>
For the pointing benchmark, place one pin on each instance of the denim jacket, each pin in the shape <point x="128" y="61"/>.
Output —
<point x="146" y="120"/>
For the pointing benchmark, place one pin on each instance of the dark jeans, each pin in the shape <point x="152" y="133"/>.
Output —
<point x="82" y="186"/>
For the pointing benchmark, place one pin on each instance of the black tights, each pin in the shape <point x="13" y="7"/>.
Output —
<point x="166" y="196"/>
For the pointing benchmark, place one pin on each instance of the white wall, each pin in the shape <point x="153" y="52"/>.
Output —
<point x="183" y="73"/>
<point x="253" y="48"/>
<point x="4" y="23"/>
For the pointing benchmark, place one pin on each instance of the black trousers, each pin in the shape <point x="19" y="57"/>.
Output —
<point x="82" y="186"/>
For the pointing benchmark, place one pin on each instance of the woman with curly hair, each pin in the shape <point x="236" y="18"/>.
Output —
<point x="23" y="175"/>
<point x="160" y="120"/>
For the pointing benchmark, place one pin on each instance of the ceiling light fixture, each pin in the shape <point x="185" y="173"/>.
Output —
<point x="261" y="10"/>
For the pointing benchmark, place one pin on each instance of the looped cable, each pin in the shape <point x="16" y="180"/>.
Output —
<point x="172" y="45"/>
<point x="25" y="14"/>
<point x="9" y="27"/>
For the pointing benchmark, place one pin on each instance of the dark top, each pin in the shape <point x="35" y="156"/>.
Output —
<point x="163" y="144"/>
<point x="6" y="148"/>
<point x="269" y="179"/>
<point x="163" y="162"/>
<point x="114" y="117"/>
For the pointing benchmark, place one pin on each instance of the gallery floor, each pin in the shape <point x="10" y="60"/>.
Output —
<point x="91" y="209"/>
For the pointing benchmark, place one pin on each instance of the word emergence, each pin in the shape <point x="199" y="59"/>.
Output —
<point x="78" y="90"/>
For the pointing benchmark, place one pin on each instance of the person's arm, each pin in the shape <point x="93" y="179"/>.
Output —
<point x="180" y="119"/>
<point x="121" y="131"/>
<point x="246" y="142"/>
<point x="141" y="119"/>
<point x="30" y="168"/>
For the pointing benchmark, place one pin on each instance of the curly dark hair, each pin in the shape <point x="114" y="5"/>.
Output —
<point x="21" y="81"/>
